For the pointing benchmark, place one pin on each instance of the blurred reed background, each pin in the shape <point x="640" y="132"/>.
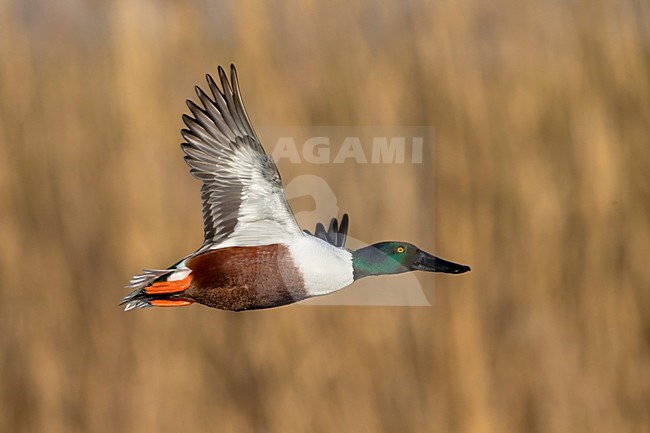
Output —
<point x="541" y="183"/>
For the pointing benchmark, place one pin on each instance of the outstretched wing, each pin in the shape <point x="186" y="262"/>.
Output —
<point x="336" y="234"/>
<point x="243" y="199"/>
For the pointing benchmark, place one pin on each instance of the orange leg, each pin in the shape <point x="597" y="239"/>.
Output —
<point x="164" y="287"/>
<point x="169" y="303"/>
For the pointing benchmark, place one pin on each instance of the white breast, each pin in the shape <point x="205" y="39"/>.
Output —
<point x="324" y="267"/>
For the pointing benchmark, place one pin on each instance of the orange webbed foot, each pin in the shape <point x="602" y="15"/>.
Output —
<point x="166" y="287"/>
<point x="169" y="303"/>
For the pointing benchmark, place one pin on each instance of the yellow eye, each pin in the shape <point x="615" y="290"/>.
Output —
<point x="399" y="250"/>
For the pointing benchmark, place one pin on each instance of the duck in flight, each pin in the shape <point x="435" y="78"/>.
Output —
<point x="254" y="254"/>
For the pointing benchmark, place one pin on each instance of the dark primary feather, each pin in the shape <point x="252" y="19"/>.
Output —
<point x="336" y="234"/>
<point x="320" y="232"/>
<point x="343" y="230"/>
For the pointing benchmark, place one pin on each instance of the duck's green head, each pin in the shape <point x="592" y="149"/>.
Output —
<point x="397" y="257"/>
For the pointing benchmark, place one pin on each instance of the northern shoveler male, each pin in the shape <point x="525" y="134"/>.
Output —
<point x="254" y="254"/>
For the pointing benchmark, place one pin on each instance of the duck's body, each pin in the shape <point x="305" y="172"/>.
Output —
<point x="254" y="254"/>
<point x="245" y="278"/>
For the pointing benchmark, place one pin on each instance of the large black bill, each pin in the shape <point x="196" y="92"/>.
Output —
<point x="430" y="263"/>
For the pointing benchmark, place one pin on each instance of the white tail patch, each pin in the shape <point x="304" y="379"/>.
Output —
<point x="179" y="275"/>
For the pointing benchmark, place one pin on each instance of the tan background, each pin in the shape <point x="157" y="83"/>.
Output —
<point x="541" y="183"/>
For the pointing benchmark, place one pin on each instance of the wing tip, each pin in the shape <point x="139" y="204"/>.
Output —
<point x="336" y="234"/>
